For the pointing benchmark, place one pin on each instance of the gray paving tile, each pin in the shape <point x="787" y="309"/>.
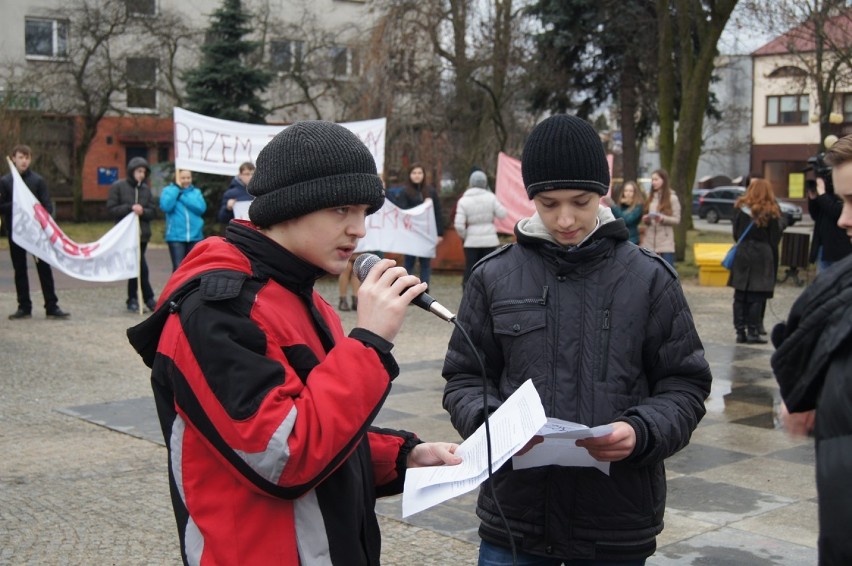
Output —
<point x="731" y="547"/>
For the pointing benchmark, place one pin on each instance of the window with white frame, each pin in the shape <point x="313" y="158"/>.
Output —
<point x="141" y="83"/>
<point x="344" y="61"/>
<point x="141" y="7"/>
<point x="46" y="38"/>
<point x="285" y="55"/>
<point x="787" y="110"/>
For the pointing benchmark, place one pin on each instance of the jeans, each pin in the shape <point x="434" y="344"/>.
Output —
<point x="669" y="257"/>
<point x="425" y="266"/>
<point x="493" y="555"/>
<point x="822" y="264"/>
<point x="178" y="251"/>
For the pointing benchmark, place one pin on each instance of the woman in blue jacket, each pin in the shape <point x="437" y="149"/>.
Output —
<point x="629" y="207"/>
<point x="184" y="206"/>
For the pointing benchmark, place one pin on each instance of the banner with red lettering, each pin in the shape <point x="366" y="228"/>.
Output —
<point x="392" y="229"/>
<point x="114" y="257"/>
<point x="211" y="145"/>
<point x="510" y="191"/>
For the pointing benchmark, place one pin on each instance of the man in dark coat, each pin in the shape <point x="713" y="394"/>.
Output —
<point x="21" y="156"/>
<point x="813" y="366"/>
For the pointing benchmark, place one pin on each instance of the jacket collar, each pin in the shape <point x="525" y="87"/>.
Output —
<point x="269" y="259"/>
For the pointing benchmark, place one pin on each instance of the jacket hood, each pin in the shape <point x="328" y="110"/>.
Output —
<point x="134" y="164"/>
<point x="528" y="230"/>
<point x="819" y="326"/>
<point x="474" y="191"/>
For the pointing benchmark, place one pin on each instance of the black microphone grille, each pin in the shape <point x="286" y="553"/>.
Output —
<point x="363" y="264"/>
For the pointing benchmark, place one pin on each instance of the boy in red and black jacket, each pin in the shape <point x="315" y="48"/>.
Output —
<point x="265" y="404"/>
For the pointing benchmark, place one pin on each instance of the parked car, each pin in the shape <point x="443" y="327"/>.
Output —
<point x="718" y="204"/>
<point x="696" y="198"/>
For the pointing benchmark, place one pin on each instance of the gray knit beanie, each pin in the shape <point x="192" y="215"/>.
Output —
<point x="478" y="179"/>
<point x="564" y="152"/>
<point x="310" y="166"/>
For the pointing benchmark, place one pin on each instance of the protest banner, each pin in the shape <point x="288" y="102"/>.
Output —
<point x="510" y="191"/>
<point x="211" y="145"/>
<point x="411" y="231"/>
<point x="114" y="257"/>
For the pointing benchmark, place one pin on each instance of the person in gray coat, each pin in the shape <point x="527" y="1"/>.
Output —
<point x="134" y="195"/>
<point x="474" y="221"/>
<point x="602" y="328"/>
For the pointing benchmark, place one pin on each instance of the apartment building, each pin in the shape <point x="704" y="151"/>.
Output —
<point x="61" y="59"/>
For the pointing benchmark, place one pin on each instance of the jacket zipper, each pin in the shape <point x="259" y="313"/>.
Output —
<point x="605" y="344"/>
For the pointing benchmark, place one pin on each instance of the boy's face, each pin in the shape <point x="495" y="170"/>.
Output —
<point x="842" y="176"/>
<point x="569" y="215"/>
<point x="245" y="176"/>
<point x="21" y="161"/>
<point x="325" y="238"/>
<point x="139" y="174"/>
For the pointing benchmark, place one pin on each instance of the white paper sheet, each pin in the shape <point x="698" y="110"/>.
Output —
<point x="559" y="449"/>
<point x="512" y="425"/>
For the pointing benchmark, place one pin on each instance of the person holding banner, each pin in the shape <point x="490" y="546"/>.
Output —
<point x="602" y="329"/>
<point x="21" y="157"/>
<point x="134" y="195"/>
<point x="265" y="404"/>
<point x="184" y="206"/>
<point x="414" y="193"/>
<point x="236" y="192"/>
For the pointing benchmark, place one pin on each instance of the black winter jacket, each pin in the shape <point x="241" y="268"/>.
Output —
<point x="813" y="366"/>
<point x="37" y="186"/>
<point x="825" y="209"/>
<point x="756" y="262"/>
<point x="125" y="193"/>
<point x="604" y="332"/>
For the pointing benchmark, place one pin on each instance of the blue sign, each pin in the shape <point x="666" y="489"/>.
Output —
<point x="107" y="175"/>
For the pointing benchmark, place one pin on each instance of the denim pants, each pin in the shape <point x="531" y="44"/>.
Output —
<point x="493" y="555"/>
<point x="425" y="266"/>
<point x="178" y="251"/>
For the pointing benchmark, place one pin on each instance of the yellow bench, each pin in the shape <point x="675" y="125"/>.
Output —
<point x="708" y="258"/>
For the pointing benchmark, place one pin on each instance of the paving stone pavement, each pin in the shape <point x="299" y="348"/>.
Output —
<point x="83" y="471"/>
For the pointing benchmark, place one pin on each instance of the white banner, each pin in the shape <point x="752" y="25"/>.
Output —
<point x="211" y="145"/>
<point x="114" y="257"/>
<point x="392" y="229"/>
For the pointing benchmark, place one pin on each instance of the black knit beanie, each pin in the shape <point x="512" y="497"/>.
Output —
<point x="310" y="166"/>
<point x="564" y="152"/>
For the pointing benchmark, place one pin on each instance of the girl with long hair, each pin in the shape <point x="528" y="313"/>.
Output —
<point x="414" y="193"/>
<point x="629" y="206"/>
<point x="755" y="264"/>
<point x="661" y="214"/>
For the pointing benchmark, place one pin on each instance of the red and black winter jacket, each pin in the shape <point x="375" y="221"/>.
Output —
<point x="266" y="408"/>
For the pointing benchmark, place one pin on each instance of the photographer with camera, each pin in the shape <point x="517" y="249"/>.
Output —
<point x="830" y="244"/>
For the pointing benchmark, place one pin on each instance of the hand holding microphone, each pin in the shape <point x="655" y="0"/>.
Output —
<point x="385" y="293"/>
<point x="365" y="264"/>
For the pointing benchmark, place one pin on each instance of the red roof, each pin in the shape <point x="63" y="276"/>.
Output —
<point x="800" y="39"/>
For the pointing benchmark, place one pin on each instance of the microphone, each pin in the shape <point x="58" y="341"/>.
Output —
<point x="365" y="262"/>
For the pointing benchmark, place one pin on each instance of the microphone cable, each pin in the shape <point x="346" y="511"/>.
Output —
<point x="488" y="435"/>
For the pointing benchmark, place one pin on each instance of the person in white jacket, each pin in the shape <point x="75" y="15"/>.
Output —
<point x="474" y="221"/>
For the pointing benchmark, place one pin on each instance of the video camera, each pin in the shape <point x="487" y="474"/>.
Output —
<point x="821" y="170"/>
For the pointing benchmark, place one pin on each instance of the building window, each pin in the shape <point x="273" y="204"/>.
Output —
<point x="286" y="55"/>
<point x="847" y="108"/>
<point x="344" y="62"/>
<point x="141" y="81"/>
<point x="787" y="110"/>
<point x="141" y="7"/>
<point x="46" y="39"/>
